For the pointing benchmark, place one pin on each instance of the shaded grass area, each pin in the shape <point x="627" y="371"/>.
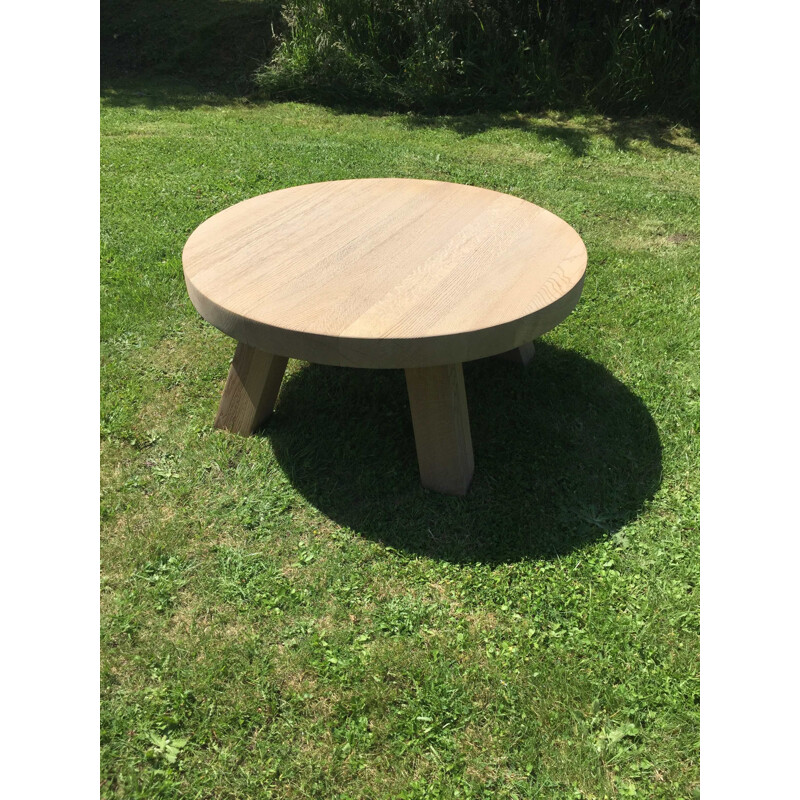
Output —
<point x="291" y="615"/>
<point x="585" y="454"/>
<point x="217" y="43"/>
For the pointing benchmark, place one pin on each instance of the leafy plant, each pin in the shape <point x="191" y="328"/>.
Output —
<point x="165" y="748"/>
<point x="446" y="54"/>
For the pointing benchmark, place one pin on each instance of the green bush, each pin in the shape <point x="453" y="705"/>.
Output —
<point x="437" y="55"/>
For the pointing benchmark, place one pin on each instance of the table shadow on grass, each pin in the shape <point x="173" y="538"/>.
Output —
<point x="564" y="454"/>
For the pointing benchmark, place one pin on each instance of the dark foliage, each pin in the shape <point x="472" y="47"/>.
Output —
<point x="437" y="55"/>
<point x="618" y="56"/>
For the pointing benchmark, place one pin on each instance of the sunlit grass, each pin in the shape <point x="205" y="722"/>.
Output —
<point x="291" y="615"/>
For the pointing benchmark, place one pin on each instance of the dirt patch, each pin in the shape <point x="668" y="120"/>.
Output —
<point x="678" y="238"/>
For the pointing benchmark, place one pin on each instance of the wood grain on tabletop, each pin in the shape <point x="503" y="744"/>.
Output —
<point x="384" y="272"/>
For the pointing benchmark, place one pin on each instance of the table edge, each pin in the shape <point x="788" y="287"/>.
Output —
<point x="389" y="353"/>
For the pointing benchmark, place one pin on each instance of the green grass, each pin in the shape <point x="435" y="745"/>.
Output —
<point x="290" y="615"/>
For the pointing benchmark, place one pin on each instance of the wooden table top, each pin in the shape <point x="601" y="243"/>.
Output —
<point x="384" y="272"/>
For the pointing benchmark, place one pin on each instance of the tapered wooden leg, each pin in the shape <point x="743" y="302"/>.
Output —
<point x="251" y="391"/>
<point x="519" y="355"/>
<point x="441" y="427"/>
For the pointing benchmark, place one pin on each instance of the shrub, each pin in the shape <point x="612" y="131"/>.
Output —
<point x="434" y="55"/>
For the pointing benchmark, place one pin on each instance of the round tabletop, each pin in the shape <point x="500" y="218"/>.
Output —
<point x="384" y="272"/>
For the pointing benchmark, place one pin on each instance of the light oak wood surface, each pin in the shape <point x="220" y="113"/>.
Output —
<point x="384" y="272"/>
<point x="441" y="427"/>
<point x="251" y="390"/>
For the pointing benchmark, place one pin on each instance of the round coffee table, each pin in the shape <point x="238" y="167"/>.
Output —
<point x="383" y="273"/>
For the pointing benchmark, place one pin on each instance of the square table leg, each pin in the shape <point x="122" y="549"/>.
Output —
<point x="251" y="390"/>
<point x="441" y="427"/>
<point x="519" y="355"/>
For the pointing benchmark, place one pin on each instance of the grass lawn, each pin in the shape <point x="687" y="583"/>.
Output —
<point x="291" y="615"/>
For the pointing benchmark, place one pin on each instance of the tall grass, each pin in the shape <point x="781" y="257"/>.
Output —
<point x="614" y="55"/>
